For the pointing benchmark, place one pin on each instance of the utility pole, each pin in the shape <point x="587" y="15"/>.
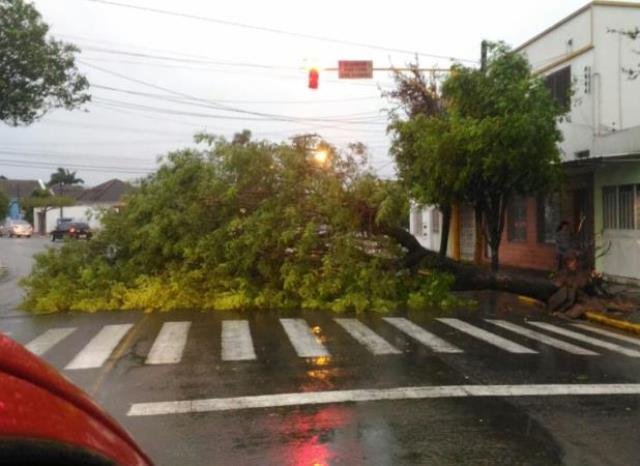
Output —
<point x="479" y="243"/>
<point x="483" y="55"/>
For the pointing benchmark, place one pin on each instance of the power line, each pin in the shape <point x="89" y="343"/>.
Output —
<point x="208" y="61"/>
<point x="362" y="116"/>
<point x="271" y="102"/>
<point x="218" y="106"/>
<point x="53" y="165"/>
<point x="274" y="30"/>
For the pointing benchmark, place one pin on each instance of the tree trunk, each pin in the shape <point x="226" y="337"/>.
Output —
<point x="477" y="252"/>
<point x="495" y="257"/>
<point x="468" y="276"/>
<point x="444" y="230"/>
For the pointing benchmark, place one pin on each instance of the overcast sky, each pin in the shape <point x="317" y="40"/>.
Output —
<point x="206" y="75"/>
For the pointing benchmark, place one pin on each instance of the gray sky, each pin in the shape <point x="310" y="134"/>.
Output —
<point x="120" y="134"/>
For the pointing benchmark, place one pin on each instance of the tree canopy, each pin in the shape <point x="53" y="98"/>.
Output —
<point x="37" y="73"/>
<point x="244" y="224"/>
<point x="4" y="206"/>
<point x="64" y="177"/>
<point x="497" y="139"/>
<point x="43" y="198"/>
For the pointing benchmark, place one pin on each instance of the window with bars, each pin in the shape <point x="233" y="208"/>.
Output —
<point x="621" y="207"/>
<point x="549" y="213"/>
<point x="559" y="84"/>
<point x="517" y="220"/>
<point x="435" y="221"/>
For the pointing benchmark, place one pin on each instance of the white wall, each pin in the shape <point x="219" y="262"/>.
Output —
<point x="612" y="53"/>
<point x="79" y="213"/>
<point x="613" y="103"/>
<point x="421" y="226"/>
<point x="555" y="44"/>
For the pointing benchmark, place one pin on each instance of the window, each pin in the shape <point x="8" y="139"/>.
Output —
<point x="626" y="210"/>
<point x="621" y="207"/>
<point x="548" y="218"/>
<point x="559" y="84"/>
<point x="610" y="207"/>
<point x="435" y="221"/>
<point x="638" y="206"/>
<point x="517" y="220"/>
<point x="417" y="222"/>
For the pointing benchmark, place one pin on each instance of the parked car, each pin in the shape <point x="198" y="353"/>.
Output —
<point x="12" y="227"/>
<point x="47" y="421"/>
<point x="72" y="230"/>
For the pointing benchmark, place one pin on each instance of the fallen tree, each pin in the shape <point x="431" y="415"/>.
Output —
<point x="469" y="276"/>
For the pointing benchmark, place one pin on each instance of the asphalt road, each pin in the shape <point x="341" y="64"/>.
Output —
<point x="17" y="255"/>
<point x="305" y="389"/>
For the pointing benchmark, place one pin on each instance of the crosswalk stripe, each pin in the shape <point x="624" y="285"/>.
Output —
<point x="617" y="336"/>
<point x="303" y="339"/>
<point x="280" y="400"/>
<point x="542" y="338"/>
<point x="487" y="337"/>
<point x="587" y="339"/>
<point x="237" y="344"/>
<point x="169" y="345"/>
<point x="98" y="350"/>
<point x="48" y="340"/>
<point x="367" y="337"/>
<point x="419" y="334"/>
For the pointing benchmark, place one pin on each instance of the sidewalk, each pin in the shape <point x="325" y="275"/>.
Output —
<point x="629" y="322"/>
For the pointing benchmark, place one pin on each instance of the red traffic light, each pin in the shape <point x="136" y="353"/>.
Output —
<point x="314" y="77"/>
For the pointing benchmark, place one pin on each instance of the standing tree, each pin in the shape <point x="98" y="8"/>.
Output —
<point x="37" y="74"/>
<point x="64" y="177"/>
<point x="61" y="178"/>
<point x="44" y="199"/>
<point x="504" y="120"/>
<point x="4" y="206"/>
<point x="426" y="161"/>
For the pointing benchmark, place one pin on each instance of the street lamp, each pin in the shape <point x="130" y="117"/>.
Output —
<point x="320" y="157"/>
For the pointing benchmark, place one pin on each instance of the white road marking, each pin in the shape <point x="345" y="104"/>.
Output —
<point x="487" y="337"/>
<point x="302" y="338"/>
<point x="617" y="336"/>
<point x="587" y="339"/>
<point x="437" y="344"/>
<point x="236" y="341"/>
<point x="48" y="340"/>
<point x="361" y="395"/>
<point x="98" y="350"/>
<point x="169" y="344"/>
<point x="367" y="337"/>
<point x="542" y="338"/>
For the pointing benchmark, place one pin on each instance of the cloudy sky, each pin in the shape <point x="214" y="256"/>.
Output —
<point x="225" y="66"/>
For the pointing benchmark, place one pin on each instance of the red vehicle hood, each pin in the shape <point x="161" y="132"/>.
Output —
<point x="20" y="363"/>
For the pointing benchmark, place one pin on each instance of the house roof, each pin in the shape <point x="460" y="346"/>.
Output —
<point x="109" y="192"/>
<point x="17" y="189"/>
<point x="72" y="191"/>
<point x="568" y="18"/>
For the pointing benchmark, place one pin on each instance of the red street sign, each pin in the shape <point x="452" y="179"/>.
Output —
<point x="355" y="69"/>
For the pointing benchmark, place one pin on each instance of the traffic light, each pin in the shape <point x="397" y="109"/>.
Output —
<point x="314" y="77"/>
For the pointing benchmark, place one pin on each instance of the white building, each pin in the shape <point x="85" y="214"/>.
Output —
<point x="90" y="204"/>
<point x="601" y="147"/>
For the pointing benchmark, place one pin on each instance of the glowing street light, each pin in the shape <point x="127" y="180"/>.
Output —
<point x="321" y="156"/>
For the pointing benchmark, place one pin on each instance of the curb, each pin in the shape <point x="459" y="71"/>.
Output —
<point x="615" y="323"/>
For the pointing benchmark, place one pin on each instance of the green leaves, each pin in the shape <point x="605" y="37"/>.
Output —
<point x="238" y="225"/>
<point x="36" y="74"/>
<point x="4" y="206"/>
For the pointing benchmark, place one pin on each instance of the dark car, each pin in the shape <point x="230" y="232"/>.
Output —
<point x="47" y="421"/>
<point x="72" y="230"/>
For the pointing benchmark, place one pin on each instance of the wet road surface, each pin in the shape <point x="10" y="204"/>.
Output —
<point x="17" y="255"/>
<point x="493" y="386"/>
